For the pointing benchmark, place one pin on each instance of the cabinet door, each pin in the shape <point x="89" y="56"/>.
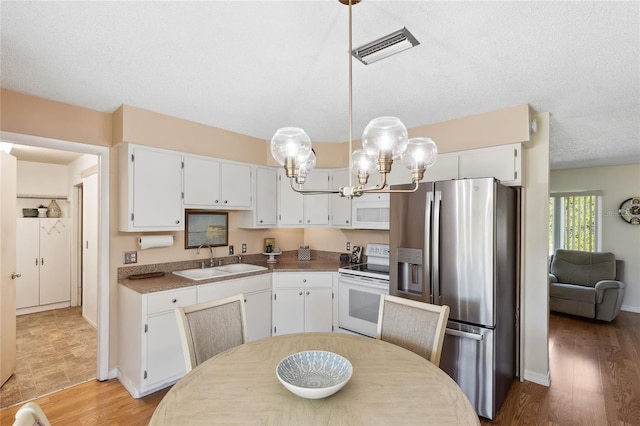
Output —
<point x="164" y="356"/>
<point x="157" y="189"/>
<point x="266" y="197"/>
<point x="318" y="309"/>
<point x="445" y="168"/>
<point x="201" y="182"/>
<point x="55" y="261"/>
<point x="288" y="311"/>
<point x="504" y="163"/>
<point x="28" y="262"/>
<point x="290" y="203"/>
<point x="340" y="206"/>
<point x="258" y="310"/>
<point x="316" y="207"/>
<point x="235" y="188"/>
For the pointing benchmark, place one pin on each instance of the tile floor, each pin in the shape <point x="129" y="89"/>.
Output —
<point x="55" y="349"/>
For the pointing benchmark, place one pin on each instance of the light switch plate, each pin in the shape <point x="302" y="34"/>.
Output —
<point x="244" y="247"/>
<point x="230" y="249"/>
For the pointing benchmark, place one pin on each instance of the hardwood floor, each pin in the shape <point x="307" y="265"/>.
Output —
<point x="595" y="376"/>
<point x="595" y="380"/>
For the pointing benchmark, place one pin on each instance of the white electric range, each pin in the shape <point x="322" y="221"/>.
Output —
<point x="359" y="290"/>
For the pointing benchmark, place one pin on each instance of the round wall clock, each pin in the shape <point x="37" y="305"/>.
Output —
<point x="630" y="210"/>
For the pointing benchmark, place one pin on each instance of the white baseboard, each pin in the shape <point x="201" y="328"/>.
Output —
<point x="629" y="308"/>
<point x="541" y="379"/>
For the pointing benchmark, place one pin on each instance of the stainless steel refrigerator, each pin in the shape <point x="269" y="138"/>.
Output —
<point x="455" y="243"/>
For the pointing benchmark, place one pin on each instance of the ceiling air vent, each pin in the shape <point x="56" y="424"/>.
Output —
<point x="388" y="45"/>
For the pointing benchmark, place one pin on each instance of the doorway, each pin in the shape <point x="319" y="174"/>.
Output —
<point x="102" y="244"/>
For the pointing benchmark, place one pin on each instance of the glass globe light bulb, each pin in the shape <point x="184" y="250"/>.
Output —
<point x="420" y="154"/>
<point x="290" y="146"/>
<point x="306" y="167"/>
<point x="362" y="165"/>
<point x="385" y="136"/>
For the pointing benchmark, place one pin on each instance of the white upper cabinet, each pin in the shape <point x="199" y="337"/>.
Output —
<point x="340" y="206"/>
<point x="201" y="182"/>
<point x="295" y="209"/>
<point x="316" y="207"/>
<point x="502" y="162"/>
<point x="445" y="168"/>
<point x="150" y="189"/>
<point x="265" y="212"/>
<point x="210" y="183"/>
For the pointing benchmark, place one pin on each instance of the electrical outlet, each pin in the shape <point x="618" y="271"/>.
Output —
<point x="348" y="246"/>
<point x="129" y="257"/>
<point x="230" y="249"/>
<point x="244" y="247"/>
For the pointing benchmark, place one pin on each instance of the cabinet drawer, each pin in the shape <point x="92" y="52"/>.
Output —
<point x="307" y="279"/>
<point x="171" y="299"/>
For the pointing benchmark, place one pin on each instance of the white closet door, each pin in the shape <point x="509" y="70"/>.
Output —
<point x="55" y="261"/>
<point x="28" y="262"/>
<point x="90" y="249"/>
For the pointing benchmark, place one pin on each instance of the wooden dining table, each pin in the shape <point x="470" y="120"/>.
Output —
<point x="389" y="386"/>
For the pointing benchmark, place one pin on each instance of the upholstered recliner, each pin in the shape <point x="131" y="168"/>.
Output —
<point x="586" y="284"/>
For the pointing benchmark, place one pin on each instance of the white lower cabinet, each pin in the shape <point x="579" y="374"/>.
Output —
<point x="149" y="350"/>
<point x="257" y="297"/>
<point x="302" y="302"/>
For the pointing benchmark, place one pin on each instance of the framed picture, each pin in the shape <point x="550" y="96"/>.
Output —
<point x="205" y="227"/>
<point x="269" y="244"/>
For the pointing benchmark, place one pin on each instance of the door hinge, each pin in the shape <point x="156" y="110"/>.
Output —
<point x="133" y="157"/>
<point x="515" y="175"/>
<point x="274" y="296"/>
<point x="274" y="329"/>
<point x="331" y="327"/>
<point x="131" y="217"/>
<point x="146" y="328"/>
<point x="182" y="195"/>
<point x="333" y="296"/>
<point x="182" y="164"/>
<point x="145" y="374"/>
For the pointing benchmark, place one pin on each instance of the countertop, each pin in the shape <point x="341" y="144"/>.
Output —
<point x="172" y="281"/>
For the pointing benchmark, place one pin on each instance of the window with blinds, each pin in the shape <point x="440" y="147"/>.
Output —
<point x="574" y="221"/>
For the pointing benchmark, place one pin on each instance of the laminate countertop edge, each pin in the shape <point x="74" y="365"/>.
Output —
<point x="172" y="281"/>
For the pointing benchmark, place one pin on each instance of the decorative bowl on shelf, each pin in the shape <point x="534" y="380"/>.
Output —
<point x="29" y="212"/>
<point x="314" y="374"/>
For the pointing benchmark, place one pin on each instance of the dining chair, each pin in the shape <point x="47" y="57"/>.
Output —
<point x="209" y="328"/>
<point x="30" y="414"/>
<point x="416" y="326"/>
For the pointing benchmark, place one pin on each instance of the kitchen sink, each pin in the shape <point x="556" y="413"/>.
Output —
<point x="239" y="268"/>
<point x="198" y="274"/>
<point x="201" y="274"/>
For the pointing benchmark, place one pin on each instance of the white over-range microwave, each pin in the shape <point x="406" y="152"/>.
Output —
<point x="370" y="211"/>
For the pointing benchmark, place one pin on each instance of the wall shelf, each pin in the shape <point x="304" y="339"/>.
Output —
<point x="48" y="197"/>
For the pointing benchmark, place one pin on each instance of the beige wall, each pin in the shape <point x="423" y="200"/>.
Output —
<point x="36" y="116"/>
<point x="617" y="183"/>
<point x="535" y="248"/>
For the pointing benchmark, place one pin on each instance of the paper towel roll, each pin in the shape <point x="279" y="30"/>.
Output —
<point x="153" y="241"/>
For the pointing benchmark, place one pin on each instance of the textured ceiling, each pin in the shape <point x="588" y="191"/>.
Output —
<point x="254" y="66"/>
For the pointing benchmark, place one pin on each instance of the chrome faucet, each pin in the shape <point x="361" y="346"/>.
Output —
<point x="210" y="251"/>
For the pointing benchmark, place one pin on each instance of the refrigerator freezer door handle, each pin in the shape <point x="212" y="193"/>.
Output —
<point x="427" y="277"/>
<point x="463" y="334"/>
<point x="435" y="242"/>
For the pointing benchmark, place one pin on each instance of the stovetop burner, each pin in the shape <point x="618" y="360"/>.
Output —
<point x="377" y="265"/>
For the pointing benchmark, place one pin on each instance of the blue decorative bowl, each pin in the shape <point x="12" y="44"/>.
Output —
<point x="314" y="374"/>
